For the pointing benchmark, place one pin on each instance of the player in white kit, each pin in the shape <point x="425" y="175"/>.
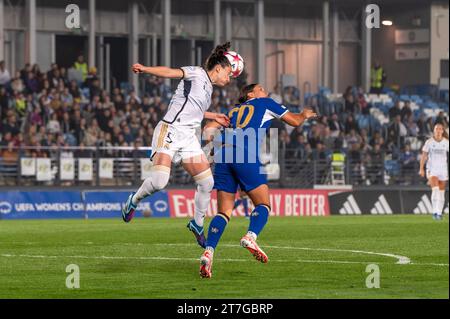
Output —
<point x="435" y="154"/>
<point x="175" y="135"/>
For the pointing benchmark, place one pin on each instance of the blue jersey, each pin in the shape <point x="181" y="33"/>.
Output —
<point x="237" y="161"/>
<point x="250" y="122"/>
<point x="256" y="113"/>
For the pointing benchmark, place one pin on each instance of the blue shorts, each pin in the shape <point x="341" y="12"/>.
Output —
<point x="248" y="176"/>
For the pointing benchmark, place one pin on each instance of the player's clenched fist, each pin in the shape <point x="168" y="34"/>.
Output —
<point x="309" y="113"/>
<point x="137" y="68"/>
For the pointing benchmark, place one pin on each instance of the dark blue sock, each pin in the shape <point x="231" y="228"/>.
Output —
<point x="258" y="219"/>
<point x="216" y="229"/>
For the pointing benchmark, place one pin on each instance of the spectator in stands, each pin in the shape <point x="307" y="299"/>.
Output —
<point x="395" y="110"/>
<point x="421" y="125"/>
<point x="275" y="94"/>
<point x="350" y="124"/>
<point x="133" y="96"/>
<point x="35" y="117"/>
<point x="24" y="72"/>
<point x="375" y="164"/>
<point x="397" y="132"/>
<point x="7" y="137"/>
<point x="81" y="66"/>
<point x="17" y="84"/>
<point x="11" y="125"/>
<point x="5" y="77"/>
<point x="10" y="154"/>
<point x="314" y="136"/>
<point x="66" y="124"/>
<point x="364" y="121"/>
<point x="377" y="78"/>
<point x="53" y="125"/>
<point x="285" y="140"/>
<point x="328" y="139"/>
<point x="355" y="158"/>
<point x="349" y="101"/>
<point x="411" y="125"/>
<point x="290" y="96"/>
<point x="4" y="101"/>
<point x="335" y="125"/>
<point x="31" y="83"/>
<point x="406" y="111"/>
<point x="319" y="152"/>
<point x="353" y="138"/>
<point x="66" y="97"/>
<point x="361" y="100"/>
<point x="299" y="146"/>
<point x="19" y="104"/>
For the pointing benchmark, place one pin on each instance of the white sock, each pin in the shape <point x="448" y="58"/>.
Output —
<point x="210" y="249"/>
<point x="159" y="177"/>
<point x="441" y="201"/>
<point x="252" y="235"/>
<point x="205" y="184"/>
<point x="435" y="199"/>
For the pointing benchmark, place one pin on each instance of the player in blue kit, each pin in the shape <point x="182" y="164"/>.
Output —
<point x="238" y="164"/>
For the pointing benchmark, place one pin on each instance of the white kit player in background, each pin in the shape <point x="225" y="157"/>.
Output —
<point x="175" y="136"/>
<point x="435" y="154"/>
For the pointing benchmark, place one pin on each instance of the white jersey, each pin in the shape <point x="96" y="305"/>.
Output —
<point x="437" y="154"/>
<point x="192" y="98"/>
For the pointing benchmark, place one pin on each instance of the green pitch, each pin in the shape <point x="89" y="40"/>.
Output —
<point x="158" y="258"/>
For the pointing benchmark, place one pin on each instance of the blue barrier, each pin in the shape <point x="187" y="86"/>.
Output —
<point x="76" y="204"/>
<point x="40" y="205"/>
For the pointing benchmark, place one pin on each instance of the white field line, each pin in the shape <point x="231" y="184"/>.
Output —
<point x="401" y="260"/>
<point x="196" y="259"/>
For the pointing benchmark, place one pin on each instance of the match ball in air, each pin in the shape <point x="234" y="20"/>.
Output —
<point x="237" y="63"/>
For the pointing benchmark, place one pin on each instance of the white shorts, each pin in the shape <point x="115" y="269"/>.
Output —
<point x="442" y="175"/>
<point x="179" y="142"/>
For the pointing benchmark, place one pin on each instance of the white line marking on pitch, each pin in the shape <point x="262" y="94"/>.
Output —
<point x="401" y="260"/>
<point x="196" y="259"/>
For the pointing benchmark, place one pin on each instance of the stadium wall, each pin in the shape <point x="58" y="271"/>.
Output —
<point x="175" y="203"/>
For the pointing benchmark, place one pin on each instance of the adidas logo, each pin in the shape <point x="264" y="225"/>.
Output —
<point x="381" y="207"/>
<point x="214" y="230"/>
<point x="350" y="207"/>
<point x="424" y="206"/>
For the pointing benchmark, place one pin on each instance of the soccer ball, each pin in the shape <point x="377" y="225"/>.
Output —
<point x="237" y="63"/>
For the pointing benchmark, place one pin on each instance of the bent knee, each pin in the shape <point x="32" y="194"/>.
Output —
<point x="204" y="181"/>
<point x="160" y="177"/>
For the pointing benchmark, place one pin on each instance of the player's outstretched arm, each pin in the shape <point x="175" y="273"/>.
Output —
<point x="159" y="71"/>
<point x="219" y="118"/>
<point x="297" y="119"/>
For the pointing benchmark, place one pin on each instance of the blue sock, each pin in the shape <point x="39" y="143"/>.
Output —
<point x="258" y="219"/>
<point x="237" y="203"/>
<point x="216" y="229"/>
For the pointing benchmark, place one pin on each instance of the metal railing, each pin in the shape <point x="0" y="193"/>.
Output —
<point x="295" y="171"/>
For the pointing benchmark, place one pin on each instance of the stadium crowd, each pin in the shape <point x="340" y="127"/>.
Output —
<point x="40" y="108"/>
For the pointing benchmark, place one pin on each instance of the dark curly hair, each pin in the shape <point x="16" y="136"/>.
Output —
<point x="243" y="97"/>
<point x="218" y="57"/>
